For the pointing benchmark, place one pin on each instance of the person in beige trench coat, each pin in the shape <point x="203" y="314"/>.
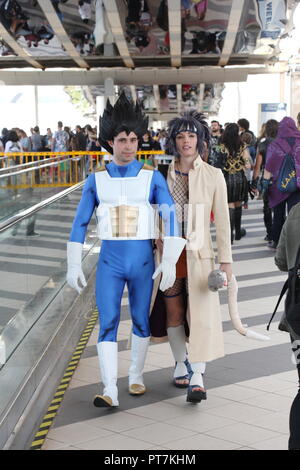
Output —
<point x="206" y="193"/>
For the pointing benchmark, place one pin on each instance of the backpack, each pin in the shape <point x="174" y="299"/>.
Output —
<point x="290" y="321"/>
<point x="287" y="178"/>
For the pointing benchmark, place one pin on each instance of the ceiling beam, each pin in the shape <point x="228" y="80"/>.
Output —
<point x="122" y="76"/>
<point x="201" y="96"/>
<point x="179" y="97"/>
<point x="133" y="93"/>
<point x="157" y="98"/>
<point x="232" y="30"/>
<point x="15" y="46"/>
<point x="60" y="33"/>
<point x="174" y="17"/>
<point x="89" y="96"/>
<point x="113" y="16"/>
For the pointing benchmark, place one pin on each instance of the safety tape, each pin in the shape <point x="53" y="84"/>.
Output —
<point x="53" y="408"/>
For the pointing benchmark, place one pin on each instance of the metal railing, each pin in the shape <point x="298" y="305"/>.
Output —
<point x="58" y="169"/>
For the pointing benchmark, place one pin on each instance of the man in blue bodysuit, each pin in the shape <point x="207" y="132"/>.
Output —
<point x="123" y="193"/>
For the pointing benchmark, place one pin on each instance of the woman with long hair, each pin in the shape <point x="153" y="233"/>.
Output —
<point x="146" y="144"/>
<point x="287" y="142"/>
<point x="233" y="159"/>
<point x="270" y="133"/>
<point x="13" y="145"/>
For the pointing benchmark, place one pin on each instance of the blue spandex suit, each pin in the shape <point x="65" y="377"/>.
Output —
<point x="124" y="261"/>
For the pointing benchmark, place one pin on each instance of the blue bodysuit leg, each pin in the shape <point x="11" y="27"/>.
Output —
<point x="120" y="262"/>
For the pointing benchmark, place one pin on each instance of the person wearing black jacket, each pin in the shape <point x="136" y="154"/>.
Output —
<point x="81" y="138"/>
<point x="285" y="260"/>
<point x="270" y="134"/>
<point x="147" y="143"/>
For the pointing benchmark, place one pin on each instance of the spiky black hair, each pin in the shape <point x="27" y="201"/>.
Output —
<point x="191" y="121"/>
<point x="123" y="116"/>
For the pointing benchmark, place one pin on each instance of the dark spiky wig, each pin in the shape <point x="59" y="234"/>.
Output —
<point x="190" y="121"/>
<point x="123" y="116"/>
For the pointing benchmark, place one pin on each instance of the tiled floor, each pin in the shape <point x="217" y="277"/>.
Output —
<point x="250" y="390"/>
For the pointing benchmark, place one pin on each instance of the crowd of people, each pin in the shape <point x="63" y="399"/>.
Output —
<point x="251" y="167"/>
<point x="247" y="161"/>
<point x="63" y="139"/>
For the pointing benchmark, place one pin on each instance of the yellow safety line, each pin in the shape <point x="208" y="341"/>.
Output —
<point x="52" y="410"/>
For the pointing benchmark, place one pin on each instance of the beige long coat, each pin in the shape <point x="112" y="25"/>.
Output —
<point x="207" y="192"/>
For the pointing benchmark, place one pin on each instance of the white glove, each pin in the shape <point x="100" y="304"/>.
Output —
<point x="74" y="252"/>
<point x="173" y="247"/>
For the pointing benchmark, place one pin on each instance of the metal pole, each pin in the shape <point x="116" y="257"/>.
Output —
<point x="36" y="105"/>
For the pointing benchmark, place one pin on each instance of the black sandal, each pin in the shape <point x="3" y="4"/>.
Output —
<point x="184" y="377"/>
<point x="195" y="396"/>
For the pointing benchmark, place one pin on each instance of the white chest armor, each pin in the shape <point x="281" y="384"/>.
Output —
<point x="124" y="212"/>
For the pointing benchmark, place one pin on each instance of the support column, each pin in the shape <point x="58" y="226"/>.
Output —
<point x="109" y="90"/>
<point x="100" y="105"/>
<point x="36" y="105"/>
<point x="282" y="87"/>
<point x="295" y="95"/>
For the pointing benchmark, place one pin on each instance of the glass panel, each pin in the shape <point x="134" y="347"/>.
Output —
<point x="21" y="189"/>
<point x="33" y="266"/>
<point x="27" y="24"/>
<point x="250" y="29"/>
<point x="204" y="26"/>
<point x="262" y="24"/>
<point x="212" y="98"/>
<point x="146" y="28"/>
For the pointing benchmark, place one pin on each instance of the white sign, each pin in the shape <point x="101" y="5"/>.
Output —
<point x="268" y="111"/>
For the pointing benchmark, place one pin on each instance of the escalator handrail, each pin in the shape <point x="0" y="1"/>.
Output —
<point x="29" y="164"/>
<point x="37" y="207"/>
<point x="26" y="170"/>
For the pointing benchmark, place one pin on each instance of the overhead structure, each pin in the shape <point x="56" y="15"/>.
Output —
<point x="156" y="97"/>
<point x="17" y="50"/>
<point x="172" y="54"/>
<point x="232" y="31"/>
<point x="60" y="32"/>
<point x="114" y="19"/>
<point x="174" y="16"/>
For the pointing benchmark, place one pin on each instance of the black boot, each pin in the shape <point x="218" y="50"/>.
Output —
<point x="268" y="218"/>
<point x="239" y="232"/>
<point x="232" y="219"/>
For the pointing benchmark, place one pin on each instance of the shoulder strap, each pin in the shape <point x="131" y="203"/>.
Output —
<point x="283" y="291"/>
<point x="295" y="275"/>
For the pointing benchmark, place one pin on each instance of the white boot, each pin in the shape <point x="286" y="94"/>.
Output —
<point x="139" y="348"/>
<point x="176" y="335"/>
<point x="198" y="371"/>
<point x="196" y="391"/>
<point x="108" y="360"/>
